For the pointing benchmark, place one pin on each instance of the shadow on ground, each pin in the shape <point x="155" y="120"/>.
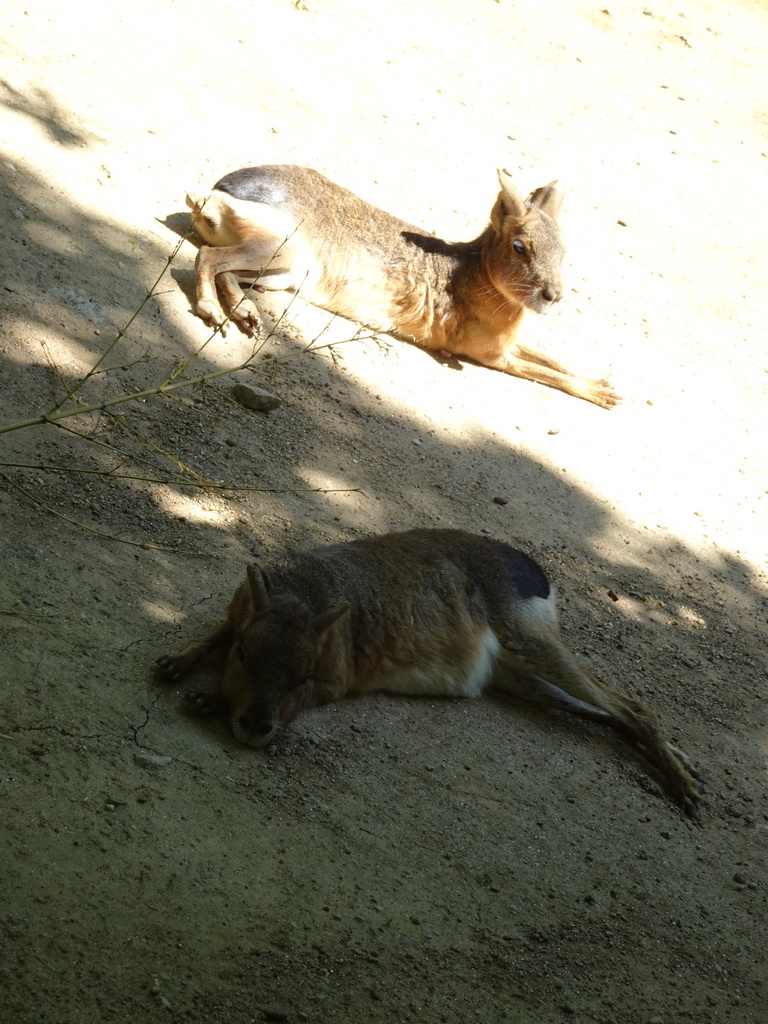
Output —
<point x="394" y="858"/>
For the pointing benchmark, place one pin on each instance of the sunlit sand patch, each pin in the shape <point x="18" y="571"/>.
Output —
<point x="339" y="490"/>
<point x="161" y="612"/>
<point x="70" y="356"/>
<point x="203" y="510"/>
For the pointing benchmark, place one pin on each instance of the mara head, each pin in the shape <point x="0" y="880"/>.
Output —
<point x="526" y="253"/>
<point x="269" y="672"/>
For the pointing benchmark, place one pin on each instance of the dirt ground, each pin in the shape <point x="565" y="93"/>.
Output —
<point x="390" y="860"/>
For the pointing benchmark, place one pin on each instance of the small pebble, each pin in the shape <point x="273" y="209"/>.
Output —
<point x="256" y="399"/>
<point x="276" y="1015"/>
<point x="501" y="501"/>
<point x="147" y="760"/>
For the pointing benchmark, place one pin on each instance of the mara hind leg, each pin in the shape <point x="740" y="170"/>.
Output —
<point x="241" y="308"/>
<point x="542" y="670"/>
<point x="256" y="239"/>
<point x="269" y="260"/>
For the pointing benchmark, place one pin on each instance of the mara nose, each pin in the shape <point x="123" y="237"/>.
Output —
<point x="255" y="726"/>
<point x="552" y="293"/>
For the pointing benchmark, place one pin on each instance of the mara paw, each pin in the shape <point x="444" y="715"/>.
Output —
<point x="211" y="312"/>
<point x="246" y="313"/>
<point x="195" y="202"/>
<point x="172" y="666"/>
<point x="688" y="787"/>
<point x="602" y="394"/>
<point x="205" y="704"/>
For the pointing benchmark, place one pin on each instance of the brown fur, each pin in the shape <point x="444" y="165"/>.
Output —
<point x="439" y="612"/>
<point x="289" y="228"/>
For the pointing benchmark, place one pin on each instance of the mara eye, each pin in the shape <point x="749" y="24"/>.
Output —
<point x="519" y="246"/>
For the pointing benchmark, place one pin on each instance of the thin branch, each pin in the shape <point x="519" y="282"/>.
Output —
<point x="203" y="484"/>
<point x="111" y="447"/>
<point x="62" y="379"/>
<point x="99" y="533"/>
<point x="182" y="466"/>
<point x="123" y="330"/>
<point x="165" y="388"/>
<point x="23" y="615"/>
<point x="135" y="362"/>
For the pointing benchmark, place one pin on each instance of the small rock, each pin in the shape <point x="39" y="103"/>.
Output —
<point x="148" y="760"/>
<point x="256" y="399"/>
<point x="613" y="595"/>
<point x="740" y="878"/>
<point x="498" y="500"/>
<point x="276" y="1015"/>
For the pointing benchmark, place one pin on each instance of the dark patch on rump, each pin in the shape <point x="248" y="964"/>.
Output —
<point x="529" y="578"/>
<point x="254" y="184"/>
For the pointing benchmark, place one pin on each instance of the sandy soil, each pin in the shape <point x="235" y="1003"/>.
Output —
<point x="392" y="859"/>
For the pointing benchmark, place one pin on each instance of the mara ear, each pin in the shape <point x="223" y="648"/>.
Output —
<point x="258" y="582"/>
<point x="323" y="622"/>
<point x="549" y="198"/>
<point x="515" y="206"/>
<point x="508" y="204"/>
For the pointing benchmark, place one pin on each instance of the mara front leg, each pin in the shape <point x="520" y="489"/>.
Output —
<point x="535" y="366"/>
<point x="174" y="666"/>
<point x="499" y="351"/>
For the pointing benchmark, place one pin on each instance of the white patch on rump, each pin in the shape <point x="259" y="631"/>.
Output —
<point x="444" y="679"/>
<point x="540" y="613"/>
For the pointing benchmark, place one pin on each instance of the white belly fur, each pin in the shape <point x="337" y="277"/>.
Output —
<point x="441" y="679"/>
